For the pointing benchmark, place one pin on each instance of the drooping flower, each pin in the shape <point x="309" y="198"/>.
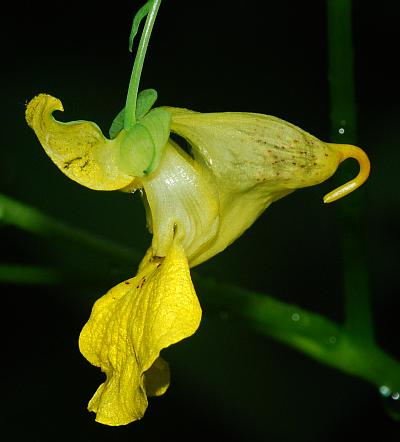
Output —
<point x="196" y="206"/>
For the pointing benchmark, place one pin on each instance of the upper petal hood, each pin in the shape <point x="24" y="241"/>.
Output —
<point x="78" y="148"/>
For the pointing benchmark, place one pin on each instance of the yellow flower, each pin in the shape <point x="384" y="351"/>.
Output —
<point x="196" y="206"/>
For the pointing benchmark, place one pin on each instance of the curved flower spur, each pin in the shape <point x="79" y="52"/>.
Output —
<point x="196" y="206"/>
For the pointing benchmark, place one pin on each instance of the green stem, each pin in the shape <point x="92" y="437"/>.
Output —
<point x="24" y="274"/>
<point x="28" y="275"/>
<point x="131" y="99"/>
<point x="359" y="322"/>
<point x="303" y="330"/>
<point x="32" y="220"/>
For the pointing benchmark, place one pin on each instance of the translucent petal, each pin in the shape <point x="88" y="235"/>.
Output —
<point x="128" y="328"/>
<point x="78" y="148"/>
<point x="183" y="202"/>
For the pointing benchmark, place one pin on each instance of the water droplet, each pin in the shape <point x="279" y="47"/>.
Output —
<point x="295" y="317"/>
<point x="332" y="339"/>
<point x="391" y="402"/>
<point x="384" y="391"/>
<point x="341" y="130"/>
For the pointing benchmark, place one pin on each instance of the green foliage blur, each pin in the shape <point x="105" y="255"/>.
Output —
<point x="227" y="381"/>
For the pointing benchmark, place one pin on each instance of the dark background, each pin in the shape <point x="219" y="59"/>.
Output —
<point x="260" y="56"/>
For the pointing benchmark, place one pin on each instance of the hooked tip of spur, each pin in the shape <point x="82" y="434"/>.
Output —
<point x="350" y="151"/>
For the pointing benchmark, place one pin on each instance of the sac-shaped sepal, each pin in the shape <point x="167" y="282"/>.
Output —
<point x="254" y="160"/>
<point x="247" y="149"/>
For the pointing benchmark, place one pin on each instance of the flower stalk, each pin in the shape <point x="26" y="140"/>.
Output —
<point x="133" y="89"/>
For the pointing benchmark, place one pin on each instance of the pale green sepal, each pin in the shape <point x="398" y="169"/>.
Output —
<point x="145" y="101"/>
<point x="142" y="145"/>
<point x="117" y="125"/>
<point x="158" y="123"/>
<point x="136" y="151"/>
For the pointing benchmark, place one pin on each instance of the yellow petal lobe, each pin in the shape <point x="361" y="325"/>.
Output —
<point x="78" y="148"/>
<point x="128" y="328"/>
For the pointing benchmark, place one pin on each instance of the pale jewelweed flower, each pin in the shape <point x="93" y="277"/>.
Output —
<point x="196" y="206"/>
<point x="197" y="203"/>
